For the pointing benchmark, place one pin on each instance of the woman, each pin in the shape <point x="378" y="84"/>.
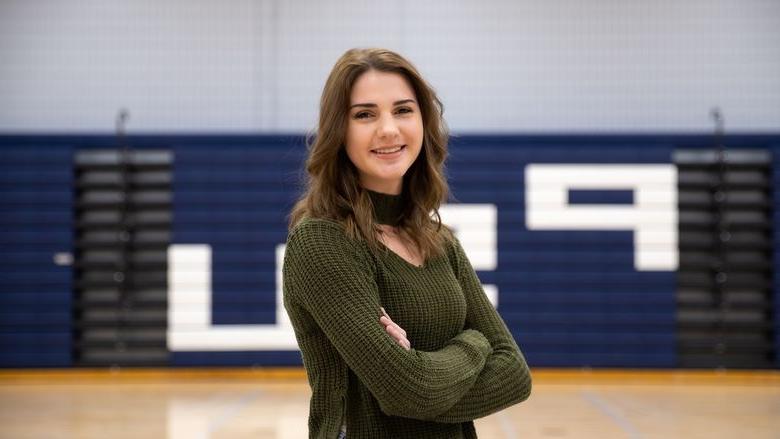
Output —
<point x="366" y="241"/>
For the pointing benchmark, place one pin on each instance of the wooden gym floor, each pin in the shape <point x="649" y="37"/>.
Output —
<point x="273" y="403"/>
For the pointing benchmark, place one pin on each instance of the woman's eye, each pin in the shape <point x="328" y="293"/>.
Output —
<point x="362" y="115"/>
<point x="404" y="110"/>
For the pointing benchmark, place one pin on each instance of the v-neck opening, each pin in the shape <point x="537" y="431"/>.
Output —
<point x="402" y="259"/>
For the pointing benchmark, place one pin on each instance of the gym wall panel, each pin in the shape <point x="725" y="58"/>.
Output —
<point x="570" y="297"/>
<point x="36" y="224"/>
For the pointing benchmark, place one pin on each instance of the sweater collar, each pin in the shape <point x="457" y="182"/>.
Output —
<point x="387" y="207"/>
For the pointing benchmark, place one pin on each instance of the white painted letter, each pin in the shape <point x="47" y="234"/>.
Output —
<point x="652" y="217"/>
<point x="475" y="225"/>
<point x="189" y="309"/>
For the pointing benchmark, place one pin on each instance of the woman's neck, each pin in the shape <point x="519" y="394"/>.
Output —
<point x="387" y="207"/>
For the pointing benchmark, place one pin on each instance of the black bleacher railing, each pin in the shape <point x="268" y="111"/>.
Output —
<point x="725" y="276"/>
<point x="123" y="227"/>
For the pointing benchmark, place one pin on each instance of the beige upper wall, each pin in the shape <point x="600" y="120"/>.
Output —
<point x="505" y="66"/>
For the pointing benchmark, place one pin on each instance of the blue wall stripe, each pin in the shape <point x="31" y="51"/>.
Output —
<point x="572" y="298"/>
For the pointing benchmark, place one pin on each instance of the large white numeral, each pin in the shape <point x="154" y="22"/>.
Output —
<point x="652" y="217"/>
<point x="475" y="225"/>
<point x="189" y="309"/>
<point x="189" y="289"/>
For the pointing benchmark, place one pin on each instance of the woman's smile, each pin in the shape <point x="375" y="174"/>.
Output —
<point x="390" y="152"/>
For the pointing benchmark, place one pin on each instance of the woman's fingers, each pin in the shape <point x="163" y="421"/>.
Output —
<point x="395" y="331"/>
<point x="388" y="322"/>
<point x="392" y="322"/>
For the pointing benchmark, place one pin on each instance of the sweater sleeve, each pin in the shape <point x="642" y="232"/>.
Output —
<point x="332" y="279"/>
<point x="505" y="380"/>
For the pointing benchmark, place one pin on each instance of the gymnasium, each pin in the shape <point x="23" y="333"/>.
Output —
<point x="614" y="169"/>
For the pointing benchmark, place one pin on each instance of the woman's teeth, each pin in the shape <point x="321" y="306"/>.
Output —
<point x="388" y="150"/>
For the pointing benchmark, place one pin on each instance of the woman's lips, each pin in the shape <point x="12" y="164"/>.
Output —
<point x="388" y="155"/>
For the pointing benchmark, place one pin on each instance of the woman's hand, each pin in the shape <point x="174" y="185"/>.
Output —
<point x="394" y="330"/>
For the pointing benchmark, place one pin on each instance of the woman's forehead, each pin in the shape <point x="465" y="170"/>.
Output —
<point x="380" y="87"/>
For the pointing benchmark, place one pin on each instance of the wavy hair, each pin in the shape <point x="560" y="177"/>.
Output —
<point x="332" y="187"/>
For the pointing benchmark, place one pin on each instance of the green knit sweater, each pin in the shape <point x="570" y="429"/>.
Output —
<point x="464" y="363"/>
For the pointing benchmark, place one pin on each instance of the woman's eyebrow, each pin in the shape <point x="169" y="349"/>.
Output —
<point x="403" y="101"/>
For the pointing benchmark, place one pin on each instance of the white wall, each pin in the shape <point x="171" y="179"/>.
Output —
<point x="238" y="66"/>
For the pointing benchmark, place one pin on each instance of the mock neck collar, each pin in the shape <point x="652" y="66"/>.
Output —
<point x="387" y="207"/>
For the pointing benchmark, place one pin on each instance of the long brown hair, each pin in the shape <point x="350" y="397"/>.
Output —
<point x="333" y="189"/>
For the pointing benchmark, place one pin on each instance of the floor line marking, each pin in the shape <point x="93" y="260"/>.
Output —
<point x="232" y="410"/>
<point x="506" y="426"/>
<point x="613" y="413"/>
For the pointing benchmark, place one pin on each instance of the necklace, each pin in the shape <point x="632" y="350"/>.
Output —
<point x="400" y="245"/>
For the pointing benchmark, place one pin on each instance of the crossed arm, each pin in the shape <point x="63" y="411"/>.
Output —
<point x="476" y="373"/>
<point x="505" y="379"/>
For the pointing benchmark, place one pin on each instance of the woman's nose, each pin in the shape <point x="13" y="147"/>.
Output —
<point x="388" y="127"/>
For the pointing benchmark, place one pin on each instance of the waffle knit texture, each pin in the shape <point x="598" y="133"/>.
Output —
<point x="463" y="365"/>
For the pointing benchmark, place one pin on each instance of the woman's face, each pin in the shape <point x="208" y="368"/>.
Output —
<point x="385" y="130"/>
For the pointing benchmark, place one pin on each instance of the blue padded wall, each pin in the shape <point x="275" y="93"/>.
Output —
<point x="571" y="298"/>
<point x="235" y="195"/>
<point x="776" y="244"/>
<point x="35" y="223"/>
